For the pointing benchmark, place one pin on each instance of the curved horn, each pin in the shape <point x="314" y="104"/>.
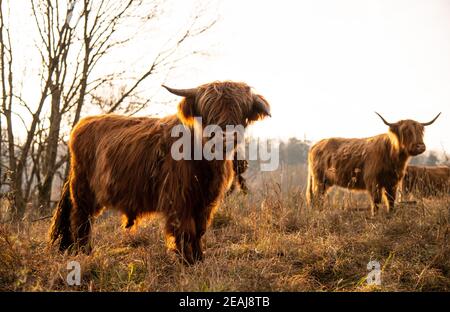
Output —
<point x="430" y="122"/>
<point x="261" y="105"/>
<point x="384" y="120"/>
<point x="182" y="92"/>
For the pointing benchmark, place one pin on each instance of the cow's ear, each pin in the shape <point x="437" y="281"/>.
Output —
<point x="260" y="108"/>
<point x="186" y="109"/>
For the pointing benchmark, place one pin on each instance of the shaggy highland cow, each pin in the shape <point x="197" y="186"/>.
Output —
<point x="125" y="163"/>
<point x="426" y="181"/>
<point x="376" y="164"/>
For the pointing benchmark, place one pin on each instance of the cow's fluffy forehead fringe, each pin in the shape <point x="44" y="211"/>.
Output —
<point x="411" y="131"/>
<point x="222" y="102"/>
<point x="237" y="92"/>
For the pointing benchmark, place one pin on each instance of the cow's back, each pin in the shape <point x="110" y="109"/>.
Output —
<point x="117" y="156"/>
<point x="88" y="134"/>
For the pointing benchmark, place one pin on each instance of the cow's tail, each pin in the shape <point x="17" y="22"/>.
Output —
<point x="60" y="228"/>
<point x="309" y="182"/>
<point x="309" y="188"/>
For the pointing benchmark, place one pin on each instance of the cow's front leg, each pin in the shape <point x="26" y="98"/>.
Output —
<point x="243" y="184"/>
<point x="184" y="246"/>
<point x="231" y="189"/>
<point x="183" y="232"/>
<point x="197" y="248"/>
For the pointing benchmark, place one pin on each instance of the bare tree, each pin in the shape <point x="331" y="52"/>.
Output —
<point x="6" y="60"/>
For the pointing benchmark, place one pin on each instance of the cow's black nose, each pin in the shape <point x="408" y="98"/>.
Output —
<point x="420" y="147"/>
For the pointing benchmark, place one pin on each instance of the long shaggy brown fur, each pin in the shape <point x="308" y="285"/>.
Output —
<point x="124" y="163"/>
<point x="426" y="181"/>
<point x="376" y="164"/>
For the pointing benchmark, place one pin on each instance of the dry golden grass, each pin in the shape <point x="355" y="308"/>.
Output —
<point x="266" y="241"/>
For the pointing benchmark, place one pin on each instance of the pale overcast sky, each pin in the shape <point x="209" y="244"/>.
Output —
<point x="327" y="65"/>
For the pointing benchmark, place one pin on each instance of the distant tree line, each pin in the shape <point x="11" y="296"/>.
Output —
<point x="295" y="152"/>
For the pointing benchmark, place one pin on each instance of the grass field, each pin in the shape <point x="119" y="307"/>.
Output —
<point x="265" y="241"/>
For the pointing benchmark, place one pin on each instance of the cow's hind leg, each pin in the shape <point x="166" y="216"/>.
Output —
<point x="391" y="193"/>
<point x="316" y="191"/>
<point x="376" y="196"/>
<point x="81" y="215"/>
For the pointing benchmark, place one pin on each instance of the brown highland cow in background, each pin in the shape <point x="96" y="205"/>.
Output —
<point x="125" y="163"/>
<point x="376" y="164"/>
<point x="426" y="181"/>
